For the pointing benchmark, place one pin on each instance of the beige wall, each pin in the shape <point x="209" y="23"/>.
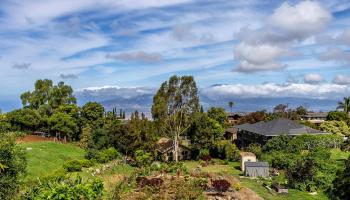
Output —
<point x="247" y="159"/>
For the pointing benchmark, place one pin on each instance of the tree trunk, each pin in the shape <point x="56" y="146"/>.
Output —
<point x="176" y="148"/>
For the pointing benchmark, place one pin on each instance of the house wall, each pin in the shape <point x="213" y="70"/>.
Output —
<point x="255" y="172"/>
<point x="245" y="138"/>
<point x="184" y="154"/>
<point x="246" y="159"/>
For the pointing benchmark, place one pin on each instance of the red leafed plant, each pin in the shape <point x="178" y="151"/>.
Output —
<point x="221" y="185"/>
<point x="152" y="182"/>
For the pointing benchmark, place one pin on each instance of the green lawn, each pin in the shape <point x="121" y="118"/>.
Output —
<point x="256" y="185"/>
<point x="46" y="157"/>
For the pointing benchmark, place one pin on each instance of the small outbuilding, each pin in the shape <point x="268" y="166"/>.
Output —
<point x="166" y="150"/>
<point x="256" y="169"/>
<point x="246" y="157"/>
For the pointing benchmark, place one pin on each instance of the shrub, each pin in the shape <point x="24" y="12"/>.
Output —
<point x="280" y="160"/>
<point x="143" y="158"/>
<point x="77" y="165"/>
<point x="203" y="153"/>
<point x="345" y="146"/>
<point x="221" y="185"/>
<point x="337" y="116"/>
<point x="182" y="189"/>
<point x="255" y="148"/>
<point x="65" y="188"/>
<point x="201" y="182"/>
<point x="310" y="142"/>
<point x="278" y="143"/>
<point x="176" y="167"/>
<point x="111" y="154"/>
<point x="237" y="186"/>
<point x="225" y="150"/>
<point x="341" y="184"/>
<point x="12" y="157"/>
<point x="151" y="182"/>
<point x="103" y="156"/>
<point x="72" y="166"/>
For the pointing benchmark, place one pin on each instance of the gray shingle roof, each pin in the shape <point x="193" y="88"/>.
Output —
<point x="256" y="164"/>
<point x="279" y="127"/>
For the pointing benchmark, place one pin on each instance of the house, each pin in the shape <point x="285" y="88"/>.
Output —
<point x="233" y="118"/>
<point x="231" y="134"/>
<point x="166" y="150"/>
<point x="315" y="117"/>
<point x="256" y="169"/>
<point x="246" y="157"/>
<point x="261" y="132"/>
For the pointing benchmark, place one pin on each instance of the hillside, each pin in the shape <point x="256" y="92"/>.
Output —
<point x="45" y="157"/>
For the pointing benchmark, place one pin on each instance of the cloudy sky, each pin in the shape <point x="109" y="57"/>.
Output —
<point x="126" y="48"/>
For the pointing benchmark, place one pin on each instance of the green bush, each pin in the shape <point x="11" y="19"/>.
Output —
<point x="64" y="188"/>
<point x="225" y="150"/>
<point x="278" y="143"/>
<point x="103" y="156"/>
<point x="255" y="148"/>
<point x="176" y="167"/>
<point x="143" y="158"/>
<point x="13" y="160"/>
<point x="77" y="165"/>
<point x="203" y="153"/>
<point x="111" y="154"/>
<point x="279" y="159"/>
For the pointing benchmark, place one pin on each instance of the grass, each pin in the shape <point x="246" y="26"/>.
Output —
<point x="46" y="157"/>
<point x="255" y="184"/>
<point x="339" y="157"/>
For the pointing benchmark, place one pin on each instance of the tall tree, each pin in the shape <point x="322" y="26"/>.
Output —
<point x="64" y="124"/>
<point x="24" y="119"/>
<point x="204" y="131"/>
<point x="92" y="114"/>
<point x="344" y="105"/>
<point x="174" y="103"/>
<point x="231" y="103"/>
<point x="40" y="95"/>
<point x="45" y="93"/>
<point x="218" y="114"/>
<point x="61" y="94"/>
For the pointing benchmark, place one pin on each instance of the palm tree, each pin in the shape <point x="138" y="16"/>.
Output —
<point x="345" y="105"/>
<point x="231" y="105"/>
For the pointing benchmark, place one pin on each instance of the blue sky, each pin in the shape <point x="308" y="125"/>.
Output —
<point x="233" y="48"/>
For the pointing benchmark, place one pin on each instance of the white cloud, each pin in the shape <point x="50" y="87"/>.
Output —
<point x="335" y="54"/>
<point x="265" y="46"/>
<point x="341" y="80"/>
<point x="112" y="92"/>
<point x="247" y="67"/>
<point x="273" y="90"/>
<point x="258" y="57"/>
<point x="258" y="54"/>
<point x="30" y="13"/>
<point x="301" y="20"/>
<point x="344" y="37"/>
<point x="313" y="78"/>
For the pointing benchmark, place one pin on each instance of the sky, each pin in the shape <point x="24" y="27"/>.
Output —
<point x="109" y="49"/>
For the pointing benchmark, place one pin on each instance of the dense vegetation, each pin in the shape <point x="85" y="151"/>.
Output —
<point x="97" y="137"/>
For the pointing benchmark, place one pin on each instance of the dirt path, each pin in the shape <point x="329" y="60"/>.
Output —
<point x="33" y="138"/>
